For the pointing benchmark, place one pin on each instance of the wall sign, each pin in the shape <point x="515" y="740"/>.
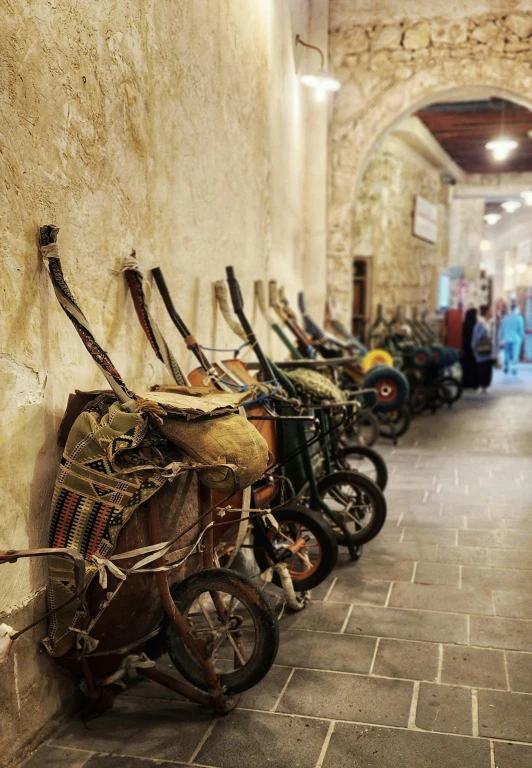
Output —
<point x="425" y="220"/>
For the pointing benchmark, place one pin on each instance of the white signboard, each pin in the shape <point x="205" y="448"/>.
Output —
<point x="426" y="220"/>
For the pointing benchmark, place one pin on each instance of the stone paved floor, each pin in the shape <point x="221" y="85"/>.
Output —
<point x="419" y="655"/>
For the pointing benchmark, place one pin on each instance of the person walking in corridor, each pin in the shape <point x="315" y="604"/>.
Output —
<point x="469" y="364"/>
<point x="482" y="346"/>
<point x="512" y="335"/>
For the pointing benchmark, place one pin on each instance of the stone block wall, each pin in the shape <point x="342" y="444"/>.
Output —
<point x="404" y="267"/>
<point x="393" y="59"/>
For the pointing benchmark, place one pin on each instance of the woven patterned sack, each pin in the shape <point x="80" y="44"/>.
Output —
<point x="102" y="479"/>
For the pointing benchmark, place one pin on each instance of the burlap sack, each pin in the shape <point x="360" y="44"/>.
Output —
<point x="315" y="386"/>
<point x="229" y="439"/>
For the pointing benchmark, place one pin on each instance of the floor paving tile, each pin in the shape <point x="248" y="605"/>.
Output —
<point x="463" y="555"/>
<point x="452" y="599"/>
<point x="495" y="539"/>
<point x="252" y="739"/>
<point x="520" y="671"/>
<point x="476" y="667"/>
<point x="505" y="715"/>
<point x="56" y="757"/>
<point x="114" y="761"/>
<point x="513" y="604"/>
<point x="340" y="653"/>
<point x="511" y="634"/>
<point x="265" y="694"/>
<point x="430" y="535"/>
<point x="328" y="617"/>
<point x="497" y="578"/>
<point x="370" y="747"/>
<point x="348" y="697"/>
<point x="140" y="728"/>
<point x="444" y="708"/>
<point x="382" y="568"/>
<point x="407" y="659"/>
<point x="432" y="521"/>
<point x="409" y="625"/>
<point x="512" y="755"/>
<point x="485" y="523"/>
<point x="438" y="573"/>
<point x="347" y="590"/>
<point x="410" y="551"/>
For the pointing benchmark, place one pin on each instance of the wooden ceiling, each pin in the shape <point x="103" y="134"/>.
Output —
<point x="463" y="129"/>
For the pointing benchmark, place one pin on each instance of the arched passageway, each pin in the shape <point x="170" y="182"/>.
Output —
<point x="380" y="87"/>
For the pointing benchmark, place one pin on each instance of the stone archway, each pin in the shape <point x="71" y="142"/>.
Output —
<point x="365" y="112"/>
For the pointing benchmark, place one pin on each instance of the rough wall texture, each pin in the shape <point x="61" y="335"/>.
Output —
<point x="404" y="267"/>
<point x="175" y="128"/>
<point x="393" y="58"/>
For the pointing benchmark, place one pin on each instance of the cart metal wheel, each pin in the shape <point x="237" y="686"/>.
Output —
<point x="241" y="643"/>
<point x="355" y="500"/>
<point x="312" y="543"/>
<point x="366" y="461"/>
<point x="396" y="424"/>
<point x="365" y="429"/>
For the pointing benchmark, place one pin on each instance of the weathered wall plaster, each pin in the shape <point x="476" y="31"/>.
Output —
<point x="393" y="58"/>
<point x="404" y="267"/>
<point x="177" y="129"/>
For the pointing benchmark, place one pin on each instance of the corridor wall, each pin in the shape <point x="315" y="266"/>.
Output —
<point x="177" y="129"/>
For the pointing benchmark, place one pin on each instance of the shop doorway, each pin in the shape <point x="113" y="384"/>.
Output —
<point x="361" y="310"/>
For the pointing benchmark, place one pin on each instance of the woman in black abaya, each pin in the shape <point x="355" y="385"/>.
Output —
<point x="469" y="364"/>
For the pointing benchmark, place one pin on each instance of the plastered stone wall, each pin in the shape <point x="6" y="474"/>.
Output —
<point x="392" y="58"/>
<point x="175" y="128"/>
<point x="404" y="268"/>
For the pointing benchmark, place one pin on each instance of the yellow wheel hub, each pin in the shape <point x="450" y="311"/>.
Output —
<point x="376" y="357"/>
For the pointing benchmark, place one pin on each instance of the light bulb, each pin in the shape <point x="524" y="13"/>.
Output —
<point x="321" y="81"/>
<point x="492" y="218"/>
<point x="511" y="206"/>
<point x="320" y="94"/>
<point x="501" y="148"/>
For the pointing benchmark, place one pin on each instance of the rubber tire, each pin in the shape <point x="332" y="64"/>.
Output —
<point x="401" y="424"/>
<point x="371" y="489"/>
<point x="367" y="419"/>
<point x="323" y="534"/>
<point x="375" y="458"/>
<point x="421" y="357"/>
<point x="186" y="592"/>
<point x="382" y="373"/>
<point x="442" y="391"/>
<point x="439" y="356"/>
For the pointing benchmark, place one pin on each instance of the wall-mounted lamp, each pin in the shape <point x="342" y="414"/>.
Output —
<point x="492" y="218"/>
<point x="527" y="196"/>
<point x="511" y="206"/>
<point x="321" y="81"/>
